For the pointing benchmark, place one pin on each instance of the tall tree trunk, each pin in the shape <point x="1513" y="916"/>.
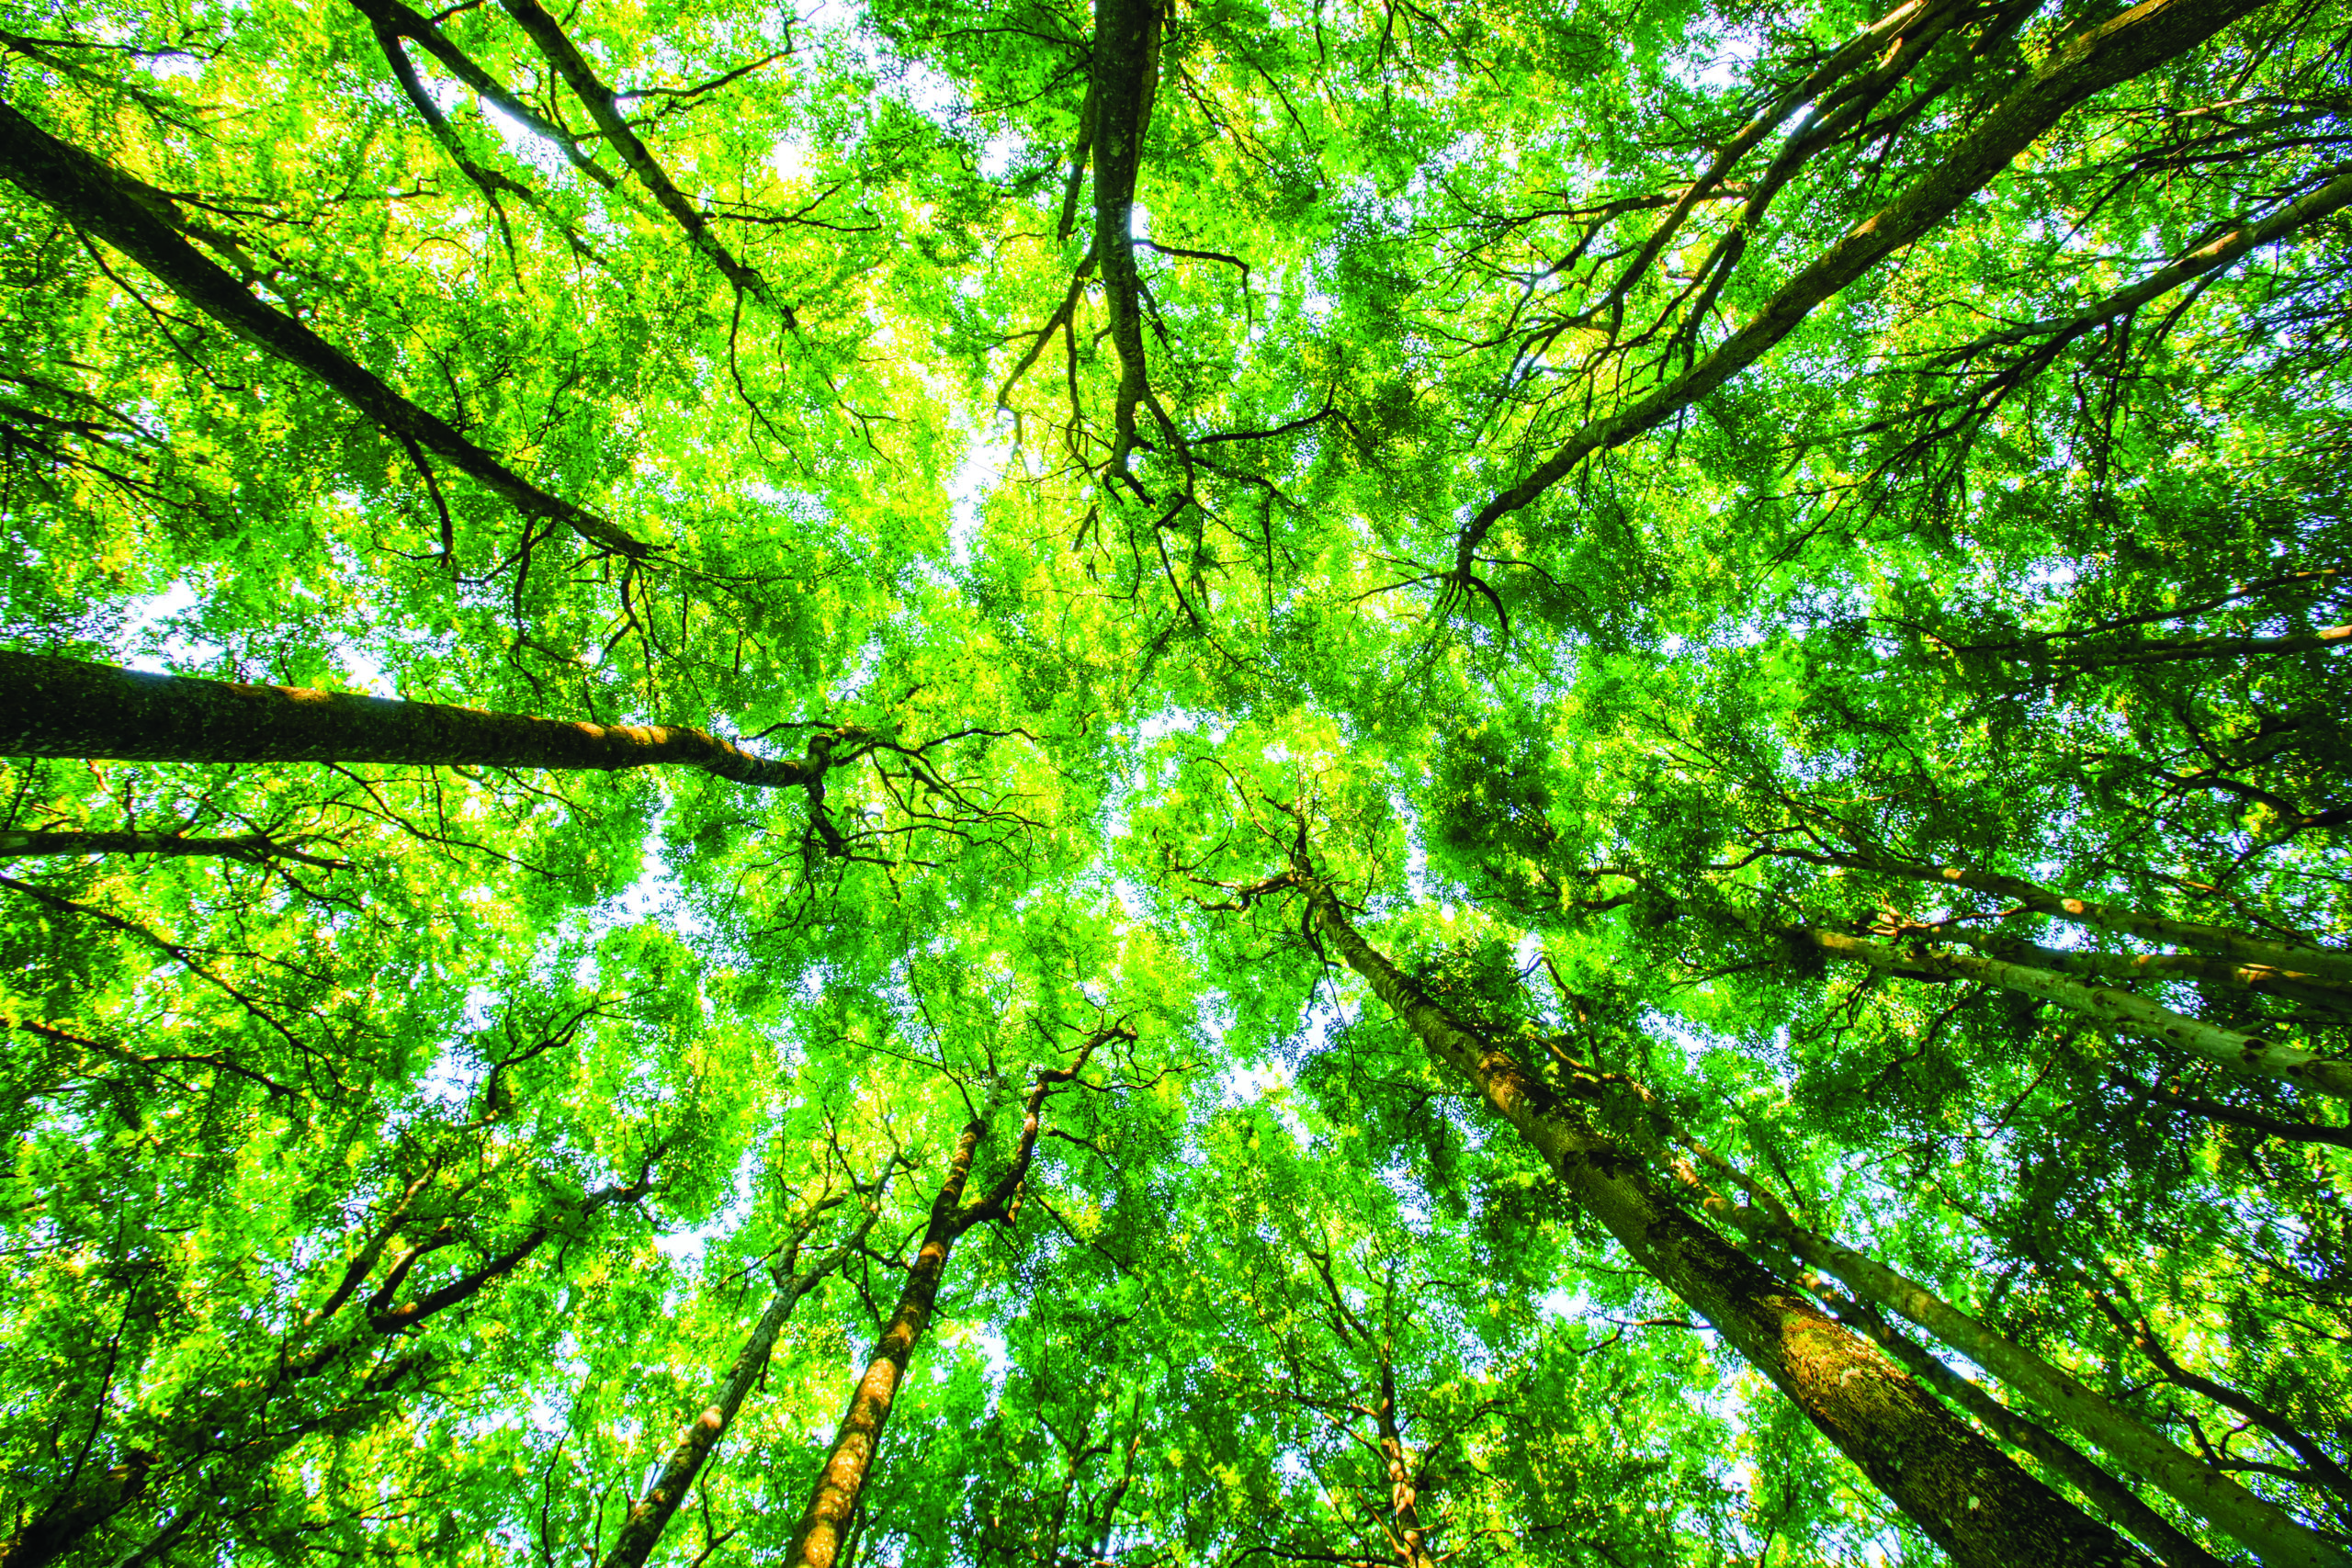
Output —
<point x="1974" y="1501"/>
<point x="2326" y="963"/>
<point x="2261" y="1526"/>
<point x="2108" y="1494"/>
<point x="2294" y="984"/>
<point x="100" y="201"/>
<point x="63" y="708"/>
<point x="648" y="1517"/>
<point x="832" y="1502"/>
<point x="818" y="1542"/>
<point x="2231" y="1048"/>
<point x="1406" y="1535"/>
<point x="1126" y="73"/>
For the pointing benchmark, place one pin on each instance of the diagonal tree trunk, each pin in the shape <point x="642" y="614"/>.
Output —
<point x="2113" y="51"/>
<point x="2327" y="963"/>
<point x="824" y="1526"/>
<point x="650" y="1514"/>
<point x="2229" y="1048"/>
<point x="99" y="200"/>
<point x="253" y="848"/>
<point x="1974" y="1501"/>
<point x="2202" y="966"/>
<point x="2260" y="1525"/>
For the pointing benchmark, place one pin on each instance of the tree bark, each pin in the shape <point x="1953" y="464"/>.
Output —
<point x="1406" y="1535"/>
<point x="2259" y="1525"/>
<point x="648" y="1517"/>
<point x="824" y="1526"/>
<point x="1974" y="1501"/>
<point x="2229" y="1048"/>
<point x="2108" y="1494"/>
<point x="393" y="19"/>
<point x="63" y="708"/>
<point x="2265" y="978"/>
<point x="254" y="848"/>
<point x="2326" y="963"/>
<point x="2098" y="58"/>
<point x="1126" y="59"/>
<point x="2083" y="659"/>
<point x="818" y="1542"/>
<point x="98" y="199"/>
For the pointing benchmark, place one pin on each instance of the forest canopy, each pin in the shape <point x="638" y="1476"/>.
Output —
<point x="1176" y="783"/>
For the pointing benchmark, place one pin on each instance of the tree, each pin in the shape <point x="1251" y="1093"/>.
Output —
<point x="1626" y="723"/>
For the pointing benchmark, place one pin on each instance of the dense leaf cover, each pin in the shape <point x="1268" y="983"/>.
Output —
<point x="1543" y="781"/>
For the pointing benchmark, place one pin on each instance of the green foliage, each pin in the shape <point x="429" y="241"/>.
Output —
<point x="399" y="1190"/>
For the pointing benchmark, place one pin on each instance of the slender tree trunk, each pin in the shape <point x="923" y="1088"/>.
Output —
<point x="2294" y="984"/>
<point x="603" y="109"/>
<point x="2239" y="1051"/>
<point x="824" y="1526"/>
<point x="2100" y="57"/>
<point x="63" y="708"/>
<point x="1404" y="1498"/>
<point x="2259" y="1525"/>
<point x="648" y="1516"/>
<point x="2326" y="963"/>
<point x="393" y="19"/>
<point x="98" y="200"/>
<point x="1969" y="1497"/>
<point x="2075" y="661"/>
<point x="2269" y="1126"/>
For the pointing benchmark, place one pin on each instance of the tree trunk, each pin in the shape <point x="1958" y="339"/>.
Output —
<point x="63" y="708"/>
<point x="98" y="200"/>
<point x="1974" y="1501"/>
<point x="832" y="1502"/>
<point x="2240" y="1052"/>
<point x="254" y="848"/>
<point x="1127" y="59"/>
<point x="2079" y="660"/>
<point x="1406" y="1533"/>
<point x="646" y="1518"/>
<point x="818" y="1542"/>
<point x="2267" y="979"/>
<point x="2107" y="1494"/>
<point x="2328" y="963"/>
<point x="2259" y="1525"/>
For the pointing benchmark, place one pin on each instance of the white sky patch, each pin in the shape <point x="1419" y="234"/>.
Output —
<point x="1246" y="1084"/>
<point x="869" y="661"/>
<point x="789" y="158"/>
<point x="145" y="616"/>
<point x="973" y="482"/>
<point x="931" y="92"/>
<point x="526" y="144"/>
<point x="997" y="157"/>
